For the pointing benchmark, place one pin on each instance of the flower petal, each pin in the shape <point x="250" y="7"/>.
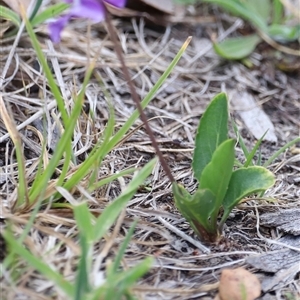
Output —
<point x="56" y="27"/>
<point x="89" y="9"/>
<point x="117" y="3"/>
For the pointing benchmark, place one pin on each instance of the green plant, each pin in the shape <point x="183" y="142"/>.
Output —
<point x="91" y="230"/>
<point x="48" y="187"/>
<point x="40" y="189"/>
<point x="221" y="187"/>
<point x="266" y="16"/>
<point x="36" y="18"/>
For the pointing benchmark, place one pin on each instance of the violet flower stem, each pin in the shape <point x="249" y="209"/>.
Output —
<point x="135" y="97"/>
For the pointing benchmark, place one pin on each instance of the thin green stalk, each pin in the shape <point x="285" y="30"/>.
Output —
<point x="36" y="9"/>
<point x="281" y="150"/>
<point x="51" y="82"/>
<point x="122" y="131"/>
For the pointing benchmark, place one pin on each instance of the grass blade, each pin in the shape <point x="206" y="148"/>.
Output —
<point x="10" y="15"/>
<point x="122" y="131"/>
<point x="39" y="265"/>
<point x="114" y="267"/>
<point x="253" y="151"/>
<point x="111" y="212"/>
<point x="49" y="13"/>
<point x="281" y="150"/>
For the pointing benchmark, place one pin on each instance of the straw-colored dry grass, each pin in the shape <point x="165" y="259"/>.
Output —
<point x="181" y="270"/>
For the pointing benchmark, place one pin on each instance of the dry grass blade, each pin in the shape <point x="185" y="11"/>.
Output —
<point x="13" y="132"/>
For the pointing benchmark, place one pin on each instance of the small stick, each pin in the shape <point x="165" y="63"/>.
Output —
<point x="135" y="97"/>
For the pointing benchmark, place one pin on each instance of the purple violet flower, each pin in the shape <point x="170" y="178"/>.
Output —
<point x="88" y="9"/>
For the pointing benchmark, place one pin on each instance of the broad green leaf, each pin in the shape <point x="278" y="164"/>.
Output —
<point x="261" y="8"/>
<point x="246" y="181"/>
<point x="278" y="12"/>
<point x="182" y="200"/>
<point x="10" y="15"/>
<point x="216" y="175"/>
<point x="197" y="210"/>
<point x="212" y="131"/>
<point x="284" y="33"/>
<point x="197" y="207"/>
<point x="237" y="48"/>
<point x="242" y="9"/>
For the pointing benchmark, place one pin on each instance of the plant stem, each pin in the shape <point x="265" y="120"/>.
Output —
<point x="135" y="97"/>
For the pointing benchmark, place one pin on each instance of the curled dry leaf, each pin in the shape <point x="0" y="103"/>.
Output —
<point x="238" y="284"/>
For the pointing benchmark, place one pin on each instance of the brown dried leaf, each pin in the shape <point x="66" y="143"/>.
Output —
<point x="238" y="284"/>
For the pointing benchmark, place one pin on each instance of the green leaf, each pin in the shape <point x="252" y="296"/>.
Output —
<point x="83" y="219"/>
<point x="39" y="265"/>
<point x="240" y="139"/>
<point x="49" y="13"/>
<point x="129" y="122"/>
<point x="278" y="11"/>
<point x="10" y="15"/>
<point x="216" y="175"/>
<point x="212" y="131"/>
<point x="242" y="9"/>
<point x="119" y="286"/>
<point x="281" y="150"/>
<point x="121" y="251"/>
<point x="250" y="155"/>
<point x="284" y="33"/>
<point x="48" y="74"/>
<point x="82" y="285"/>
<point x="36" y="8"/>
<point x="197" y="211"/>
<point x="237" y="48"/>
<point x="261" y="8"/>
<point x="246" y="181"/>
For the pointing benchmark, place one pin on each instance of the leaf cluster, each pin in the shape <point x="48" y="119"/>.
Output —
<point x="266" y="16"/>
<point x="221" y="186"/>
<point x="46" y="190"/>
